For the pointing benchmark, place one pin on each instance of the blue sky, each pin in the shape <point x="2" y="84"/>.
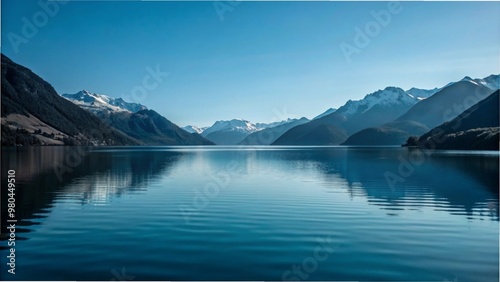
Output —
<point x="262" y="62"/>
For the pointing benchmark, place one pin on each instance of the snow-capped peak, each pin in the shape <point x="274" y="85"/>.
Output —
<point x="101" y="103"/>
<point x="193" y="129"/>
<point x="240" y="125"/>
<point x="244" y="126"/>
<point x="389" y="96"/>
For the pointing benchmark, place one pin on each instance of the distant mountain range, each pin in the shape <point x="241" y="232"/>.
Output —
<point x="135" y="120"/>
<point x="332" y="129"/>
<point x="34" y="114"/>
<point x="244" y="132"/>
<point x="444" y="105"/>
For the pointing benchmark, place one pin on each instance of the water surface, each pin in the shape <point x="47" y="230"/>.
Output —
<point x="262" y="213"/>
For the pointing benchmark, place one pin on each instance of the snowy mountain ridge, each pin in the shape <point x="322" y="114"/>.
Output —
<point x="194" y="129"/>
<point x="389" y="96"/>
<point x="394" y="95"/>
<point x="98" y="103"/>
<point x="239" y="125"/>
<point x="491" y="81"/>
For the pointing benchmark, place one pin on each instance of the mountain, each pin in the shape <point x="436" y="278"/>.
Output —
<point x="98" y="103"/>
<point x="135" y="120"/>
<point x="229" y="132"/>
<point x="194" y="129"/>
<point x="374" y="109"/>
<point x="442" y="106"/>
<point x="235" y="131"/>
<point x="325" y="113"/>
<point x="151" y="128"/>
<point x="448" y="103"/>
<point x="477" y="128"/>
<point x="34" y="114"/>
<point x="486" y="138"/>
<point x="268" y="135"/>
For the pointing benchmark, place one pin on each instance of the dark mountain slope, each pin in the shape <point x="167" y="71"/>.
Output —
<point x="321" y="134"/>
<point x="483" y="114"/>
<point x="393" y="133"/>
<point x="377" y="136"/>
<point x="476" y="128"/>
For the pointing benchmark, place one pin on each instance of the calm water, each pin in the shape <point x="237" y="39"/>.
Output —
<point x="271" y="213"/>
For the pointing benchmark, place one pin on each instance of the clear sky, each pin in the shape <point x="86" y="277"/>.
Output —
<point x="263" y="61"/>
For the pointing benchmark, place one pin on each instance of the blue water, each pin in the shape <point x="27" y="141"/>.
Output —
<point x="263" y="213"/>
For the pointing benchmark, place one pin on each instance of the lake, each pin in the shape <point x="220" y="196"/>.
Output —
<point x="253" y="213"/>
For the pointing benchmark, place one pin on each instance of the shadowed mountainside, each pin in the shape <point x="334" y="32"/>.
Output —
<point x="477" y="128"/>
